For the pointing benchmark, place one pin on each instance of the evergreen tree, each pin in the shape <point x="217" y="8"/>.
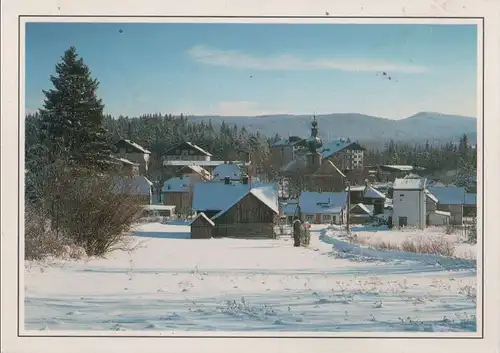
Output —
<point x="72" y="116"/>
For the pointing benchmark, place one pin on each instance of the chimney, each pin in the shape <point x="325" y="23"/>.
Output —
<point x="227" y="180"/>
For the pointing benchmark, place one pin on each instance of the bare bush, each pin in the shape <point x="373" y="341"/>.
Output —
<point x="41" y="241"/>
<point x="94" y="211"/>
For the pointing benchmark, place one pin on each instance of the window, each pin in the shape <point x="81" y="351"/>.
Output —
<point x="309" y="217"/>
<point x="403" y="221"/>
<point x="401" y="195"/>
<point x="327" y="218"/>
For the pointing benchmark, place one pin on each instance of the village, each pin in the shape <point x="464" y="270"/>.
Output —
<point x="233" y="199"/>
<point x="188" y="199"/>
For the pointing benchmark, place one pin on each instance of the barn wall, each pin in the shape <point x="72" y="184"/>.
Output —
<point x="201" y="231"/>
<point x="181" y="201"/>
<point x="244" y="230"/>
<point x="249" y="210"/>
<point x="456" y="212"/>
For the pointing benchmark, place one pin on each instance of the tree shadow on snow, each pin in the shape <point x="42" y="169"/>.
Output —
<point x="163" y="235"/>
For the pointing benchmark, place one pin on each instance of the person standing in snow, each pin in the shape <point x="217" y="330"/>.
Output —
<point x="297" y="230"/>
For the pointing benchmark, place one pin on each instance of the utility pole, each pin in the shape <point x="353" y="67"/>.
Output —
<point x="348" y="206"/>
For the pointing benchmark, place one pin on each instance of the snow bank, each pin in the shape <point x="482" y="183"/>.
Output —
<point x="337" y="237"/>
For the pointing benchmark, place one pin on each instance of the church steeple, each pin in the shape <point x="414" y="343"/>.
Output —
<point x="314" y="141"/>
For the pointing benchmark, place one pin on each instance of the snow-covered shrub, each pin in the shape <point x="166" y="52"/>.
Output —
<point x="40" y="241"/>
<point x="95" y="214"/>
<point x="91" y="210"/>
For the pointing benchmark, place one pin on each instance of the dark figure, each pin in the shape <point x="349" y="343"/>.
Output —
<point x="297" y="230"/>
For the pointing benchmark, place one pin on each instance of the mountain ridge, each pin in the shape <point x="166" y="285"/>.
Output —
<point x="422" y="126"/>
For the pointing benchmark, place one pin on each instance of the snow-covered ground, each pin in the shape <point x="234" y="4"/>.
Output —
<point x="173" y="283"/>
<point x="373" y="235"/>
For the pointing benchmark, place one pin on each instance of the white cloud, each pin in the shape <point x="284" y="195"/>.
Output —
<point x="241" y="60"/>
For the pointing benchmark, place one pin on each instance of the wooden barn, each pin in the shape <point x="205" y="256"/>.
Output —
<point x="202" y="227"/>
<point x="240" y="210"/>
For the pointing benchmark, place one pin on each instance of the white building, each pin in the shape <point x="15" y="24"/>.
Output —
<point x="323" y="207"/>
<point x="409" y="203"/>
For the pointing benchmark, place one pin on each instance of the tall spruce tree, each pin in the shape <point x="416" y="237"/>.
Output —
<point x="72" y="116"/>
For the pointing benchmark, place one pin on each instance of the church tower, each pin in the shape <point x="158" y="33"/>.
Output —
<point x="314" y="143"/>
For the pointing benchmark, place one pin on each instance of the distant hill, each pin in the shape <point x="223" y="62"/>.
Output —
<point x="434" y="127"/>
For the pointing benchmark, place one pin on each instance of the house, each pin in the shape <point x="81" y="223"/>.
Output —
<point x="375" y="198"/>
<point x="133" y="152"/>
<point x="178" y="192"/>
<point x="345" y="154"/>
<point x="238" y="209"/>
<point x="367" y="195"/>
<point x="196" y="173"/>
<point x="285" y="151"/>
<point x="186" y="151"/>
<point x="451" y="199"/>
<point x="126" y="166"/>
<point x="409" y="203"/>
<point x="361" y="213"/>
<point x="389" y="172"/>
<point x="323" y="207"/>
<point x="230" y="170"/>
<point x="136" y="185"/>
<point x="202" y="227"/>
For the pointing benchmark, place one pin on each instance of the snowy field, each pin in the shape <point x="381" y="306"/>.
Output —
<point x="173" y="283"/>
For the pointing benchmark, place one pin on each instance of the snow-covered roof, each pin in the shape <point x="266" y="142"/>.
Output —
<point x="290" y="209"/>
<point x="137" y="146"/>
<point x="332" y="147"/>
<point x="204" y="216"/>
<point x="138" y="184"/>
<point x="125" y="161"/>
<point x="218" y="196"/>
<point x="322" y="202"/>
<point x="368" y="209"/>
<point x="179" y="184"/>
<point x="230" y="170"/>
<point x="431" y="196"/>
<point x="442" y="213"/>
<point x="402" y="168"/>
<point x="470" y="199"/>
<point x="412" y="176"/>
<point x="159" y="207"/>
<point x="409" y="184"/>
<point x="199" y="148"/>
<point x="267" y="193"/>
<point x="372" y="193"/>
<point x="356" y="188"/>
<point x="449" y="195"/>
<point x="199" y="170"/>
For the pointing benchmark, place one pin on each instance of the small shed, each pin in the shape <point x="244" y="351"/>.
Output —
<point x="439" y="218"/>
<point x="202" y="227"/>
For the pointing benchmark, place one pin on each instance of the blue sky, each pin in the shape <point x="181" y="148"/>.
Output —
<point x="253" y="69"/>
